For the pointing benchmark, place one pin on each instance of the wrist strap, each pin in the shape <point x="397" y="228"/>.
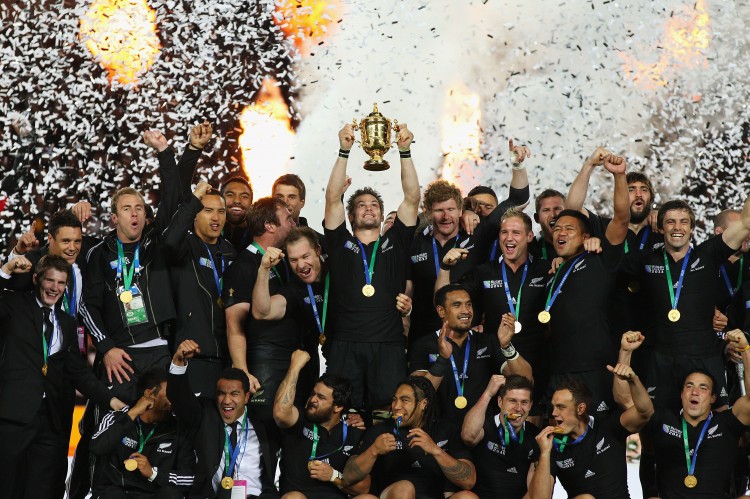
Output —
<point x="440" y="367"/>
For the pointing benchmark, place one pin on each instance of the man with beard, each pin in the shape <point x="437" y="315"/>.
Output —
<point x="734" y="272"/>
<point x="317" y="443"/>
<point x="238" y="197"/>
<point x="402" y="455"/>
<point x="549" y="203"/>
<point x="459" y="361"/>
<point x="504" y="446"/>
<point x="198" y="259"/>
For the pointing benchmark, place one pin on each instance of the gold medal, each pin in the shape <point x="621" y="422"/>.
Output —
<point x="309" y="465"/>
<point x="558" y="430"/>
<point x="691" y="481"/>
<point x="126" y="296"/>
<point x="368" y="290"/>
<point x="544" y="317"/>
<point x="461" y="402"/>
<point x="674" y="315"/>
<point x="131" y="464"/>
<point x="512" y="416"/>
<point x="44" y="370"/>
<point x="220" y="302"/>
<point x="634" y="286"/>
<point x="227" y="483"/>
<point x="322" y="339"/>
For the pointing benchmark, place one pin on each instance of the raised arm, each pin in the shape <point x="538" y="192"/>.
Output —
<point x="442" y="365"/>
<point x="514" y="362"/>
<point x="284" y="412"/>
<point x="629" y="342"/>
<point x="617" y="230"/>
<point x="236" y="316"/>
<point x="519" y="180"/>
<point x="337" y="182"/>
<point x="580" y="186"/>
<point x="451" y="258"/>
<point x="634" y="418"/>
<point x="182" y="222"/>
<point x="184" y="403"/>
<point x="265" y="306"/>
<point x="472" y="431"/>
<point x="407" y="210"/>
<point x="741" y="408"/>
<point x="739" y="230"/>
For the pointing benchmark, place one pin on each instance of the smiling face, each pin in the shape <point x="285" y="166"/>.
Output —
<point x="566" y="413"/>
<point x="129" y="218"/>
<point x="238" y="198"/>
<point x="320" y="407"/>
<point x="549" y="209"/>
<point x="515" y="239"/>
<point x="366" y="213"/>
<point x="209" y="222"/>
<point x="677" y="228"/>
<point x="66" y="243"/>
<point x="568" y="237"/>
<point x="445" y="216"/>
<point x="640" y="202"/>
<point x="458" y="311"/>
<point x="50" y="286"/>
<point x="697" y="396"/>
<point x="304" y="260"/>
<point x="162" y="405"/>
<point x="231" y="399"/>
<point x="405" y="404"/>
<point x="517" y="401"/>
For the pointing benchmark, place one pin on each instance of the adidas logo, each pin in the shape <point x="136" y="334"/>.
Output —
<point x="416" y="464"/>
<point x="511" y="470"/>
<point x="723" y="392"/>
<point x="589" y="474"/>
<point x="602" y="407"/>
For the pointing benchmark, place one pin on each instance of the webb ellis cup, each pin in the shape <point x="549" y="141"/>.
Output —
<point x="376" y="138"/>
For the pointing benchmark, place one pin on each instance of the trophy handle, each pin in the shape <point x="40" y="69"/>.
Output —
<point x="356" y="128"/>
<point x="394" y="127"/>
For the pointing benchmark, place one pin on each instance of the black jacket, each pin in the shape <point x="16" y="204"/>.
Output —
<point x="101" y="308"/>
<point x="199" y="315"/>
<point x="202" y="416"/>
<point x="169" y="449"/>
<point x="23" y="387"/>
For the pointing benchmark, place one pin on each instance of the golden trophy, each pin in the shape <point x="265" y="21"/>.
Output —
<point x="376" y="138"/>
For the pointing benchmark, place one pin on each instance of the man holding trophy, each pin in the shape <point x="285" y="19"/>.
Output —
<point x="369" y="271"/>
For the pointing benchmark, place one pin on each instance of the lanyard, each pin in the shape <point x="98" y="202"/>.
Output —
<point x="47" y="347"/>
<point x="460" y="381"/>
<point x="69" y="299"/>
<point x="691" y="462"/>
<point x="399" y="419"/>
<point x="142" y="441"/>
<point x="229" y="462"/>
<point x="676" y="296"/>
<point x="316" y="438"/>
<point x="263" y="252"/>
<point x="320" y="322"/>
<point x="493" y="251"/>
<point x="733" y="290"/>
<point x="561" y="443"/>
<point x="370" y="269"/>
<point x="646" y="232"/>
<point x="511" y="308"/>
<point x="510" y="434"/>
<point x="219" y="280"/>
<point x="551" y="297"/>
<point x="435" y="253"/>
<point x="544" y="248"/>
<point x="135" y="269"/>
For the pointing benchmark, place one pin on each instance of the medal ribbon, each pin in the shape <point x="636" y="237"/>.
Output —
<point x="510" y="434"/>
<point x="320" y="322"/>
<point x="142" y="441"/>
<point x="229" y="462"/>
<point x="544" y="248"/>
<point x="551" y="297"/>
<point x="561" y="443"/>
<point x="462" y="380"/>
<point x="493" y="251"/>
<point x="69" y="299"/>
<point x="135" y="269"/>
<point x="345" y="430"/>
<point x="676" y="296"/>
<point x="646" y="232"/>
<point x="370" y="269"/>
<point x="511" y="308"/>
<point x="398" y="427"/>
<point x="733" y="290"/>
<point x="45" y="346"/>
<point x="219" y="280"/>
<point x="435" y="253"/>
<point x="691" y="462"/>
<point x="263" y="252"/>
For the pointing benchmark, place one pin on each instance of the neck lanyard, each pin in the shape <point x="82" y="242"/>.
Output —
<point x="396" y="428"/>
<point x="510" y="434"/>
<point x="230" y="454"/>
<point x="219" y="280"/>
<point x="552" y="296"/>
<point x="544" y="248"/>
<point x="646" y="232"/>
<point x="460" y="381"/>
<point x="313" y="457"/>
<point x="493" y="251"/>
<point x="321" y="322"/>
<point x="263" y="252"/>
<point x="69" y="299"/>
<point x="435" y="253"/>
<point x="691" y="462"/>
<point x="142" y="441"/>
<point x="511" y="308"/>
<point x="47" y="347"/>
<point x="135" y="269"/>
<point x="370" y="269"/>
<point x="733" y="290"/>
<point x="675" y="296"/>
<point x="561" y="443"/>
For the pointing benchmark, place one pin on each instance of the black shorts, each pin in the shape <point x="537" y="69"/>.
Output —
<point x="599" y="382"/>
<point x="666" y="375"/>
<point x="374" y="369"/>
<point x="143" y="359"/>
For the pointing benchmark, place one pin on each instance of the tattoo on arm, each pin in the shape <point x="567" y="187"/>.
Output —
<point x="457" y="472"/>
<point x="352" y="472"/>
<point x="287" y="390"/>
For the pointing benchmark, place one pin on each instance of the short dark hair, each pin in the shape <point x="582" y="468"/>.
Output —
<point x="547" y="193"/>
<point x="632" y="177"/>
<point x="302" y="232"/>
<point x="515" y="382"/>
<point x="292" y="180"/>
<point x="342" y="389"/>
<point x="705" y="373"/>
<point x="581" y="393"/>
<point x="52" y="262"/>
<point x="232" y="178"/>
<point x="674" y="205"/>
<point x="361" y="192"/>
<point x="151" y="378"/>
<point x="63" y="218"/>
<point x="234" y="374"/>
<point x="262" y="211"/>
<point x="482" y="189"/>
<point x="442" y="294"/>
<point x="583" y="220"/>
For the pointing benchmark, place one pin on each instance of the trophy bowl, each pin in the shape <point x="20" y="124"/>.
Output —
<point x="376" y="138"/>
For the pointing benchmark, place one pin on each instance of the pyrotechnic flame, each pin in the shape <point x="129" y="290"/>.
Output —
<point x="121" y="35"/>
<point x="306" y="22"/>
<point x="461" y="137"/>
<point x="267" y="140"/>
<point x="686" y="35"/>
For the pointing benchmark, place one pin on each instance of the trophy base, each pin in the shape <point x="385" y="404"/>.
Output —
<point x="376" y="166"/>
